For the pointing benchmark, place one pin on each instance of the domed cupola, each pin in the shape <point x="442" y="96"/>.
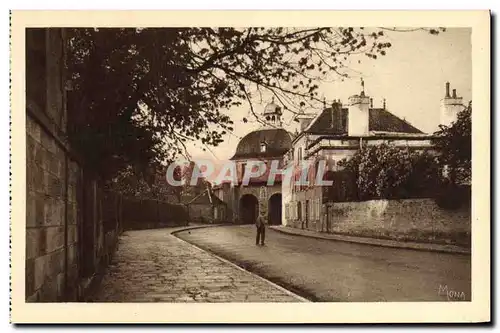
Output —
<point x="272" y="115"/>
<point x="263" y="143"/>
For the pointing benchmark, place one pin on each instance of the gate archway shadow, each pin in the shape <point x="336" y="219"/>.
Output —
<point x="249" y="205"/>
<point x="274" y="211"/>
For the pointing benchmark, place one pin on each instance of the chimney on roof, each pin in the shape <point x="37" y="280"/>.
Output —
<point x="450" y="106"/>
<point x="358" y="115"/>
<point x="336" y="114"/>
<point x="332" y="115"/>
<point x="371" y="103"/>
<point x="340" y="123"/>
<point x="383" y="105"/>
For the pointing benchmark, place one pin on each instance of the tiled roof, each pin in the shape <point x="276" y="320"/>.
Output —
<point x="336" y="122"/>
<point x="329" y="122"/>
<point x="278" y="143"/>
<point x="384" y="121"/>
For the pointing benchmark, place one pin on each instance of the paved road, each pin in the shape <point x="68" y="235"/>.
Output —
<point x="325" y="270"/>
<point x="155" y="266"/>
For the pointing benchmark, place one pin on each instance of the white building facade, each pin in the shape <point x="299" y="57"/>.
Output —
<point x="336" y="133"/>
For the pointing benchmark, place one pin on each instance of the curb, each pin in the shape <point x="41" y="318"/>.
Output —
<point x="286" y="291"/>
<point x="368" y="242"/>
<point x="192" y="227"/>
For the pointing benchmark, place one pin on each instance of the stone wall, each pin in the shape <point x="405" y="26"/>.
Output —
<point x="149" y="213"/>
<point x="54" y="217"/>
<point x="410" y="219"/>
<point x="65" y="246"/>
<point x="50" y="216"/>
<point x="68" y="235"/>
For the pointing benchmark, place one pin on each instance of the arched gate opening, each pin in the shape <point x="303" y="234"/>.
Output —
<point x="274" y="211"/>
<point x="249" y="206"/>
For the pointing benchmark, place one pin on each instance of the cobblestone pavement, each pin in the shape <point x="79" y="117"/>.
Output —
<point x="329" y="270"/>
<point x="155" y="266"/>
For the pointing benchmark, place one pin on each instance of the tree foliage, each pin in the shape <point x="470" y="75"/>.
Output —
<point x="387" y="172"/>
<point x="454" y="143"/>
<point x="140" y="94"/>
<point x="150" y="185"/>
<point x="130" y="184"/>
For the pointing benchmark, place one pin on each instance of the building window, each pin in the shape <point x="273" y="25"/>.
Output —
<point x="263" y="147"/>
<point x="243" y="166"/>
<point x="307" y="210"/>
<point x="313" y="208"/>
<point x="317" y="209"/>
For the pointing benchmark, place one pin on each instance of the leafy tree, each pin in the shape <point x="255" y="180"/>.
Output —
<point x="130" y="184"/>
<point x="190" y="191"/>
<point x="385" y="171"/>
<point x="152" y="185"/>
<point x="454" y="143"/>
<point x="161" y="189"/>
<point x="140" y="94"/>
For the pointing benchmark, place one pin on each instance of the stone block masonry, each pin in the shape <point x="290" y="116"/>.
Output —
<point x="420" y="220"/>
<point x="57" y="249"/>
<point x="52" y="217"/>
<point x="51" y="232"/>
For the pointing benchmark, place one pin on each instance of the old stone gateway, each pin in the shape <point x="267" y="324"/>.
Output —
<point x="274" y="209"/>
<point x="249" y="208"/>
<point x="269" y="143"/>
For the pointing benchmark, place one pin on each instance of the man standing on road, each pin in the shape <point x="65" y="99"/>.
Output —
<point x="261" y="230"/>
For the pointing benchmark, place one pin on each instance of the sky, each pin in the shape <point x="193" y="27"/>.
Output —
<point x="411" y="77"/>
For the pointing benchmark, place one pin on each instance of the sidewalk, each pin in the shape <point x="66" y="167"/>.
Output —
<point x="374" y="241"/>
<point x="156" y="266"/>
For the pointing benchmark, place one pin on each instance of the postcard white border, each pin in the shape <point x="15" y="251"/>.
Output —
<point x="477" y="310"/>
